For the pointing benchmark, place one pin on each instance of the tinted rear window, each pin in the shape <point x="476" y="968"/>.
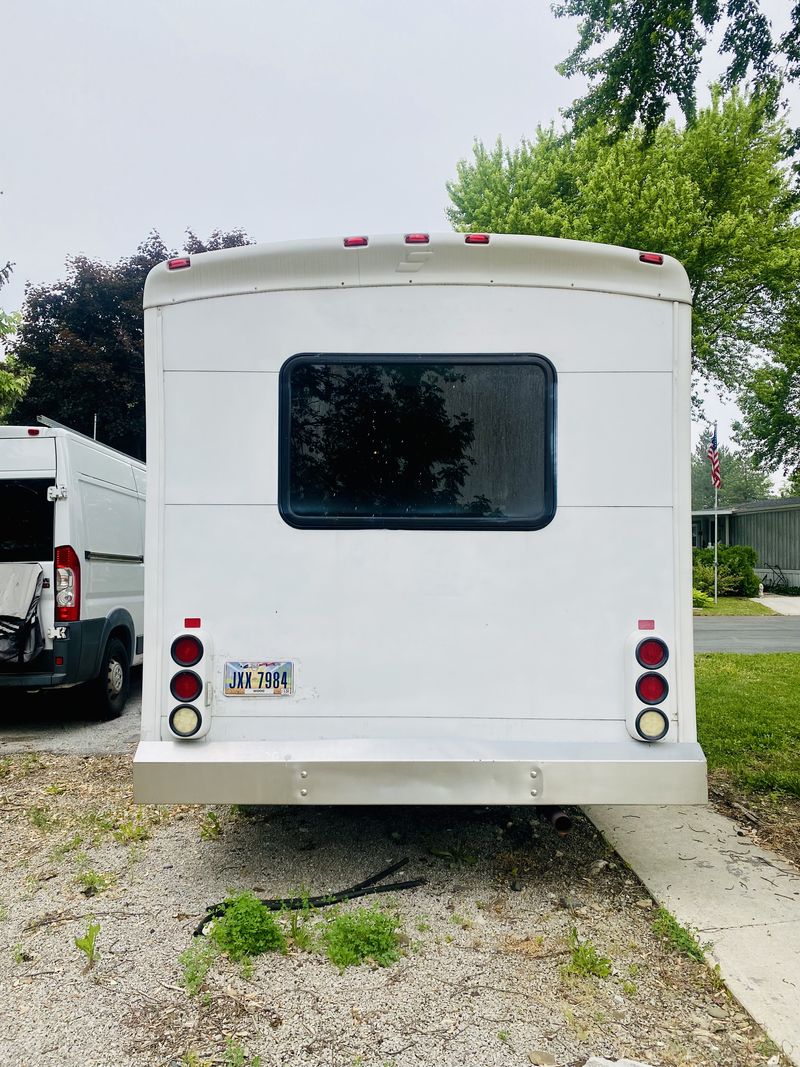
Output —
<point x="26" y="527"/>
<point x="418" y="441"/>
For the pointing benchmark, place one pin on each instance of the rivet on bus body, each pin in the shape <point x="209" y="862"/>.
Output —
<point x="303" y="792"/>
<point x="534" y="774"/>
<point x="304" y="774"/>
<point x="534" y="792"/>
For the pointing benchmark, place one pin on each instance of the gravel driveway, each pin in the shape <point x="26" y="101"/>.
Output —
<point x="57" y="721"/>
<point x="488" y="974"/>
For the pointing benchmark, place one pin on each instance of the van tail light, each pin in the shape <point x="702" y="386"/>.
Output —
<point x="186" y="651"/>
<point x="652" y="653"/>
<point x="652" y="688"/>
<point x="68" y="585"/>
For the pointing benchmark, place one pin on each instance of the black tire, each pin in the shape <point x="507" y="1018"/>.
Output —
<point x="112" y="686"/>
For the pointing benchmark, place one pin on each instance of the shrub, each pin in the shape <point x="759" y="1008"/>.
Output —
<point x="736" y="576"/>
<point x="701" y="600"/>
<point x="364" y="934"/>
<point x="247" y="928"/>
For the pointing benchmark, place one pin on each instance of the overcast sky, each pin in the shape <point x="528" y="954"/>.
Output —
<point x="299" y="118"/>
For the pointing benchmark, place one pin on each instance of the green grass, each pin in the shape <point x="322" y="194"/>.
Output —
<point x="748" y="718"/>
<point x="735" y="605"/>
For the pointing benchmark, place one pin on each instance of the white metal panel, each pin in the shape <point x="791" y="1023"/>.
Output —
<point x="577" y="331"/>
<point x="221" y="440"/>
<point x="615" y="440"/>
<point x="446" y="624"/>
<point x="27" y="456"/>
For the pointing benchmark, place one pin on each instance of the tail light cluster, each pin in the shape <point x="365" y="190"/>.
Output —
<point x="189" y="653"/>
<point x="648" y="687"/>
<point x="68" y="585"/>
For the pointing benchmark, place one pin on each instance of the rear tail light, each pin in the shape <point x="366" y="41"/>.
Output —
<point x="652" y="724"/>
<point x="68" y="585"/>
<point x="186" y="650"/>
<point x="652" y="688"/>
<point x="476" y="239"/>
<point x="185" y="721"/>
<point x="652" y="653"/>
<point x="186" y="686"/>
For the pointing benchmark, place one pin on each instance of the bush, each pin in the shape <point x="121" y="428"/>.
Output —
<point x="247" y="929"/>
<point x="736" y="576"/>
<point x="700" y="599"/>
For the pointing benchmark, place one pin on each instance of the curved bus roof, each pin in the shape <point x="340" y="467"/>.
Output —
<point x="445" y="259"/>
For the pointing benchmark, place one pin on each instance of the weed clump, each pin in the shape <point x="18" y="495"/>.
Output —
<point x="585" y="960"/>
<point x="247" y="928"/>
<point x="364" y="934"/>
<point x="196" y="962"/>
<point x="667" y="927"/>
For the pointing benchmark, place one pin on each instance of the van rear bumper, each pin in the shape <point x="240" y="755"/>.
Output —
<point x="362" y="771"/>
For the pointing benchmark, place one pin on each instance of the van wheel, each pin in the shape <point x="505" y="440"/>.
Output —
<point x="113" y="684"/>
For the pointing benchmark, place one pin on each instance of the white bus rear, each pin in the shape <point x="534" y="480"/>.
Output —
<point x="419" y="525"/>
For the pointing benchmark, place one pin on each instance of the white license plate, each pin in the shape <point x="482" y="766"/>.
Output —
<point x="262" y="679"/>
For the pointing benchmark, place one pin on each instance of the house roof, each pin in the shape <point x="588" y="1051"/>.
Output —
<point x="783" y="503"/>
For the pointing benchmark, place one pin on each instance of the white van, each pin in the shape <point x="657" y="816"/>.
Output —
<point x="381" y="570"/>
<point x="71" y="563"/>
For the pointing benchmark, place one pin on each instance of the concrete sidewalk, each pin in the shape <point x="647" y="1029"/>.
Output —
<point x="784" y="605"/>
<point x="745" y="901"/>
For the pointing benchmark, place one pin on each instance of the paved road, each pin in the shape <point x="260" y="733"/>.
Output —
<point x="59" y="722"/>
<point x="757" y="633"/>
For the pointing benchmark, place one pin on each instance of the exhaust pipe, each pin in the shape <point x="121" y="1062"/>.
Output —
<point x="557" y="817"/>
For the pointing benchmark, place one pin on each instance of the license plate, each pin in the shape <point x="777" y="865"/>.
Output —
<point x="273" y="678"/>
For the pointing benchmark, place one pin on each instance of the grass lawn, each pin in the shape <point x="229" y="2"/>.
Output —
<point x="735" y="605"/>
<point x="748" y="718"/>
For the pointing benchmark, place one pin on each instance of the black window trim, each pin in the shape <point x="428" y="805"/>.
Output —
<point x="322" y="522"/>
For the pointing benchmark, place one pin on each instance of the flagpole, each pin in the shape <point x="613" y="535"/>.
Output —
<point x="716" y="529"/>
<point x="716" y="540"/>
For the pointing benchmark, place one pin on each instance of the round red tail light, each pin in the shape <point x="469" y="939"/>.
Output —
<point x="186" y="651"/>
<point x="186" y="686"/>
<point x="652" y="688"/>
<point x="652" y="653"/>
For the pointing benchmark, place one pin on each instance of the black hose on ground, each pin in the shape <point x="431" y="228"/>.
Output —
<point x="362" y="889"/>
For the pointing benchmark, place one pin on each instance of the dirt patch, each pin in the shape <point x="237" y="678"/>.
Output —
<point x="486" y="977"/>
<point x="771" y="820"/>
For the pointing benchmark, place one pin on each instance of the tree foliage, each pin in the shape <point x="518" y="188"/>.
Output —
<point x="770" y="404"/>
<point x="81" y="341"/>
<point x="742" y="478"/>
<point x="715" y="195"/>
<point x="638" y="55"/>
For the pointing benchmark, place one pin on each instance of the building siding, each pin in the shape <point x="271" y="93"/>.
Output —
<point x="775" y="535"/>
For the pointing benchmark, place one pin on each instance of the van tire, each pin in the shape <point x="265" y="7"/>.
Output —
<point x="112" y="686"/>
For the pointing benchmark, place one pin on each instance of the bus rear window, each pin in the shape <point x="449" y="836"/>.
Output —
<point x="26" y="530"/>
<point x="417" y="441"/>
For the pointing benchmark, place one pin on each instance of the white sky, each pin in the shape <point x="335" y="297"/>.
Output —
<point x="289" y="119"/>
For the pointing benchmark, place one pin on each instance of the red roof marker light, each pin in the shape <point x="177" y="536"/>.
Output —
<point x="192" y="624"/>
<point x="356" y="242"/>
<point x="651" y="257"/>
<point x="417" y="238"/>
<point x="476" y="239"/>
<point x="178" y="264"/>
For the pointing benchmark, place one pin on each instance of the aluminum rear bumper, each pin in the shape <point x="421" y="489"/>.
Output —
<point x="418" y="772"/>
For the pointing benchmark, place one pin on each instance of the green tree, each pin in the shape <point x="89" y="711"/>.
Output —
<point x="638" y="55"/>
<point x="770" y="404"/>
<point x="741" y="478"/>
<point x="715" y="195"/>
<point x="81" y="341"/>
<point x="13" y="382"/>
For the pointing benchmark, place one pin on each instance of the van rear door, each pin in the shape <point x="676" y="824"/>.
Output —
<point x="27" y="470"/>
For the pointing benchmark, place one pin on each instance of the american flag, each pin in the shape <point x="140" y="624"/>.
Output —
<point x="713" y="455"/>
